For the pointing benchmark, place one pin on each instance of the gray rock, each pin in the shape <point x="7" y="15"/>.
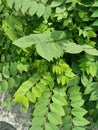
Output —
<point x="6" y="126"/>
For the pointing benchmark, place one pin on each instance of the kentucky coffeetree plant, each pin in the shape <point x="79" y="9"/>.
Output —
<point x="49" y="61"/>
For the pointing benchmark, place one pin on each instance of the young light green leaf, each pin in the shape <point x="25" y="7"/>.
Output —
<point x="23" y="100"/>
<point x="36" y="91"/>
<point x="31" y="97"/>
<point x="24" y="88"/>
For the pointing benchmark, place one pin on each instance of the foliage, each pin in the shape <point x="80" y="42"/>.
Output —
<point x="48" y="61"/>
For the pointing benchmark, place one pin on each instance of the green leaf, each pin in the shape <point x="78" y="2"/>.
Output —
<point x="73" y="48"/>
<point x="5" y="71"/>
<point x="60" y="9"/>
<point x="47" y="37"/>
<point x="49" y="45"/>
<point x="11" y="82"/>
<point x="4" y="85"/>
<point x="86" y="80"/>
<point x="44" y="1"/>
<point x="90" y="50"/>
<point x="54" y="118"/>
<point x="40" y="10"/>
<point x="74" y="90"/>
<point x="78" y="128"/>
<point x="93" y="69"/>
<point x="56" y="3"/>
<point x="48" y="51"/>
<point x="78" y="112"/>
<point x="94" y="95"/>
<point x="67" y="119"/>
<point x="25" y="6"/>
<point x="95" y="13"/>
<point x="2" y="58"/>
<point x="42" y="102"/>
<point x="18" y="4"/>
<point x="13" y="69"/>
<point x="76" y="97"/>
<point x="10" y="3"/>
<point x="59" y="100"/>
<point x="95" y="4"/>
<point x="80" y="121"/>
<point x="47" y="12"/>
<point x="0" y="77"/>
<point x="95" y="23"/>
<point x="22" y="67"/>
<point x="67" y="127"/>
<point x="49" y="126"/>
<point x="9" y="31"/>
<point x="36" y="128"/>
<point x="90" y="87"/>
<point x="77" y="103"/>
<point x="57" y="109"/>
<point x="40" y="111"/>
<point x="59" y="92"/>
<point x="38" y="121"/>
<point x="33" y="8"/>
